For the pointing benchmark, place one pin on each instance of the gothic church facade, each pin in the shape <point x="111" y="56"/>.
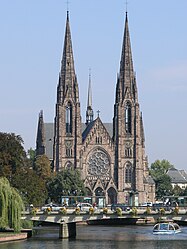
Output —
<point x="110" y="156"/>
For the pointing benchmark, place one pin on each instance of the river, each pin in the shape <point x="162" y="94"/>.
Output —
<point x="103" y="237"/>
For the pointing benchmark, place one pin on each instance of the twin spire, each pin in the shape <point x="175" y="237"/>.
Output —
<point x="67" y="79"/>
<point x="126" y="78"/>
<point x="67" y="64"/>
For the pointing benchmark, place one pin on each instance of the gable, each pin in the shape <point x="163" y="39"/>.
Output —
<point x="49" y="135"/>
<point x="96" y="133"/>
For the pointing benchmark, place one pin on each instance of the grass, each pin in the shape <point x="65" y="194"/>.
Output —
<point x="4" y="234"/>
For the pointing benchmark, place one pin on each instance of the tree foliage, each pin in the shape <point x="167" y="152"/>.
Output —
<point x="158" y="171"/>
<point x="18" y="166"/>
<point x="42" y="167"/>
<point x="177" y="191"/>
<point x="11" y="205"/>
<point x="159" y="168"/>
<point x="31" y="187"/>
<point x="163" y="185"/>
<point x="31" y="154"/>
<point x="66" y="183"/>
<point x="12" y="154"/>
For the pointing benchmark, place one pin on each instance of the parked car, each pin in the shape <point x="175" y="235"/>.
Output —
<point x="157" y="205"/>
<point x="124" y="207"/>
<point x="85" y="206"/>
<point x="53" y="207"/>
<point x="146" y="204"/>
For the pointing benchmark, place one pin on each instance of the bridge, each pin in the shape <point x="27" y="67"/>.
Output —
<point x="67" y="222"/>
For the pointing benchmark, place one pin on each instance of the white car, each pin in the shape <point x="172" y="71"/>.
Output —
<point x="53" y="206"/>
<point x="85" y="206"/>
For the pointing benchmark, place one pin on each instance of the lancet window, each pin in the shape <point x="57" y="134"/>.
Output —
<point x="69" y="118"/>
<point x="128" y="118"/>
<point x="128" y="173"/>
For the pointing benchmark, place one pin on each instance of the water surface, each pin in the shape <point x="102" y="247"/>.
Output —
<point x="103" y="237"/>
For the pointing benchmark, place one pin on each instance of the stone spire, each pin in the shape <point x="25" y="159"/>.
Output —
<point x="40" y="140"/>
<point x="67" y="79"/>
<point x="126" y="75"/>
<point x="67" y="131"/>
<point x="89" y="111"/>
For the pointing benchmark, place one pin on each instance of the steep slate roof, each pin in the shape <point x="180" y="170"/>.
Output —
<point x="183" y="173"/>
<point x="176" y="176"/>
<point x="86" y="129"/>
<point x="49" y="135"/>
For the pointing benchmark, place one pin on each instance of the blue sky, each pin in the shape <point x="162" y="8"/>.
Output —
<point x="32" y="35"/>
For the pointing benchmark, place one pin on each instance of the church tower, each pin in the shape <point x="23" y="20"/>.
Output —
<point x="128" y="134"/>
<point x="110" y="156"/>
<point x="67" y="133"/>
<point x="40" y="139"/>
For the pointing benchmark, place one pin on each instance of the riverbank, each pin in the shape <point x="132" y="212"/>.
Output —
<point x="7" y="237"/>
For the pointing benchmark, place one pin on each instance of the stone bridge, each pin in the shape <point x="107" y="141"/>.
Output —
<point x="67" y="222"/>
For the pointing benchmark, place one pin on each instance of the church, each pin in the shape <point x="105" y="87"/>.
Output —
<point x="110" y="156"/>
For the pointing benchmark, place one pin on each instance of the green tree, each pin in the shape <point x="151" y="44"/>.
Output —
<point x="177" y="191"/>
<point x="31" y="187"/>
<point x="159" y="168"/>
<point x="31" y="154"/>
<point x="42" y="167"/>
<point x="12" y="154"/>
<point x="65" y="183"/>
<point x="158" y="171"/>
<point x="163" y="186"/>
<point x="11" y="205"/>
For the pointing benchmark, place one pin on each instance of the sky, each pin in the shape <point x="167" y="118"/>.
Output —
<point x="31" y="43"/>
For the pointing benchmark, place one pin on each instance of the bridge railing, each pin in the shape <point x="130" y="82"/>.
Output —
<point x="132" y="210"/>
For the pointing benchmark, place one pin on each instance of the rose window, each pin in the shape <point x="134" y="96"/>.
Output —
<point x="98" y="163"/>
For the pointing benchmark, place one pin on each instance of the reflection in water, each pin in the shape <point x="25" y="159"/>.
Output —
<point x="102" y="237"/>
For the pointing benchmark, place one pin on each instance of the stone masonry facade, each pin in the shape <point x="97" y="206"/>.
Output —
<point x="111" y="157"/>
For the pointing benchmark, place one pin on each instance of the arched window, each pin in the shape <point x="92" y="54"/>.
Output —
<point x="128" y="152"/>
<point x="68" y="152"/>
<point x="69" y="118"/>
<point x="128" y="173"/>
<point x="128" y="118"/>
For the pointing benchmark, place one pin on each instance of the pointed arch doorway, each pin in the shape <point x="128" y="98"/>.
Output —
<point x="100" y="197"/>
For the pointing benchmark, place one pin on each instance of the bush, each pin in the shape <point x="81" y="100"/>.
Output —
<point x="176" y="210"/>
<point x="25" y="224"/>
<point x="105" y="210"/>
<point x="47" y="210"/>
<point x="33" y="211"/>
<point x="63" y="210"/>
<point x="133" y="212"/>
<point x="77" y="210"/>
<point x="162" y="211"/>
<point x="91" y="210"/>
<point x="119" y="211"/>
<point x="148" y="210"/>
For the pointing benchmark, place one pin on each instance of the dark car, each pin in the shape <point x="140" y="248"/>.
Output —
<point x="157" y="206"/>
<point x="124" y="207"/>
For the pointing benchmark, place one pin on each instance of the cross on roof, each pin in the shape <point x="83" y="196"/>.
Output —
<point x="98" y="113"/>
